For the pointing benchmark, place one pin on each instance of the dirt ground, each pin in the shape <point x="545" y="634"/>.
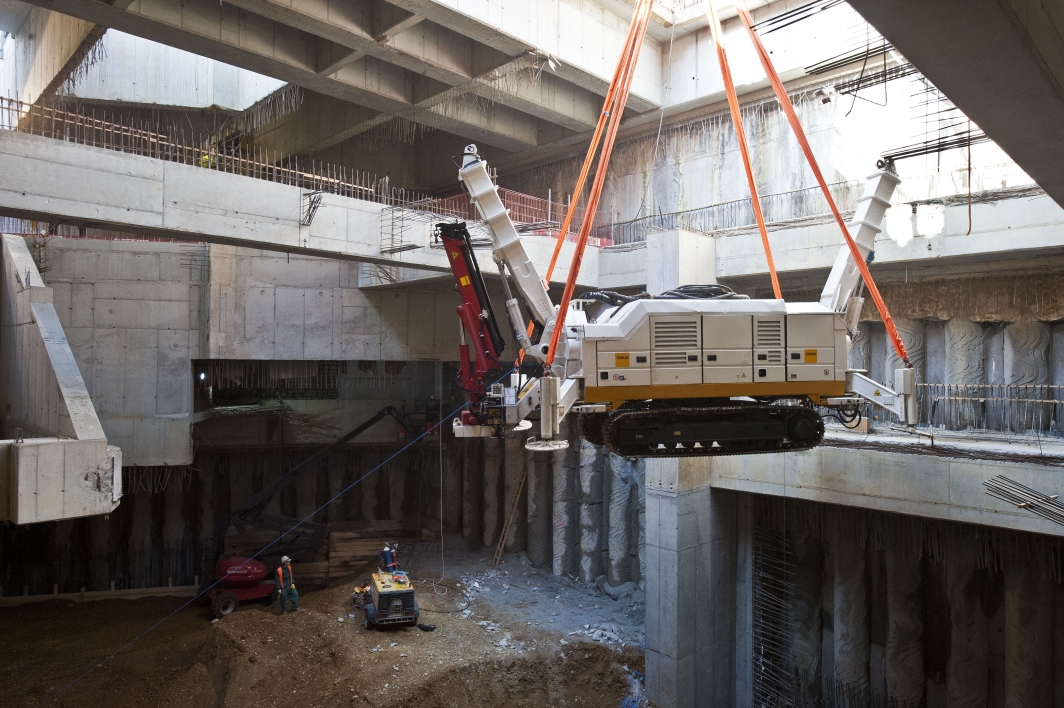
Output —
<point x="511" y="636"/>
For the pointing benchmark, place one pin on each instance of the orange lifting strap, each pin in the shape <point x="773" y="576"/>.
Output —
<point x="744" y="149"/>
<point x="623" y="83"/>
<point x="611" y="93"/>
<point x="792" y="118"/>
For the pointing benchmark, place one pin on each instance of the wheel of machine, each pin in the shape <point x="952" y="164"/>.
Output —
<point x="224" y="604"/>
<point x="370" y="616"/>
<point x="417" y="613"/>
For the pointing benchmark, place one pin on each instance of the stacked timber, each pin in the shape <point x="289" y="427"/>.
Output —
<point x="353" y="544"/>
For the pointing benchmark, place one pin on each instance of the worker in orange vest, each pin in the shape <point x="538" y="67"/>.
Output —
<point x="286" y="586"/>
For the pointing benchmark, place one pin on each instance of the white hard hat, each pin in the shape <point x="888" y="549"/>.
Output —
<point x="285" y="559"/>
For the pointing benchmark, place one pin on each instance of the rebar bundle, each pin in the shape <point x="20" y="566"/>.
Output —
<point x="1048" y="507"/>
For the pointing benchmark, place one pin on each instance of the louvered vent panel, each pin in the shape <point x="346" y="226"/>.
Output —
<point x="768" y="333"/>
<point x="670" y="358"/>
<point x="775" y="357"/>
<point x="676" y="335"/>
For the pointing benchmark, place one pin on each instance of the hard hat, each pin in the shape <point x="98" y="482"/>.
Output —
<point x="386" y="547"/>
<point x="285" y="559"/>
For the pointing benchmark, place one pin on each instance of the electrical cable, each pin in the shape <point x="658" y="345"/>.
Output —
<point x="262" y="550"/>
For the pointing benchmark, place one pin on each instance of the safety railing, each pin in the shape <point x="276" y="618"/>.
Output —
<point x="785" y="206"/>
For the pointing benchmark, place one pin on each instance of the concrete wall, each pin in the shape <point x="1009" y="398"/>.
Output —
<point x="136" y="70"/>
<point x="132" y="312"/>
<point x="39" y="52"/>
<point x="67" y="469"/>
<point x="270" y="306"/>
<point x="138" y="313"/>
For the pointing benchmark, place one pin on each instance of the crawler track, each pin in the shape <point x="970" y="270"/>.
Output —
<point x="675" y="429"/>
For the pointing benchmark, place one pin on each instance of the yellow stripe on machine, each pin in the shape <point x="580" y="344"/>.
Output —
<point x="816" y="390"/>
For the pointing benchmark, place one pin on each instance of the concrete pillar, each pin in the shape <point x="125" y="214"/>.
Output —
<point x="1029" y="642"/>
<point x="514" y="469"/>
<point x="860" y="352"/>
<point x="677" y="258"/>
<point x="964" y="353"/>
<point x="1056" y="355"/>
<point x="691" y="588"/>
<point x="912" y="336"/>
<point x="852" y="642"/>
<point x="967" y="670"/>
<point x="807" y="610"/>
<point x="565" y="520"/>
<point x="619" y="541"/>
<point x="590" y="505"/>
<point x="935" y="349"/>
<point x="1026" y="363"/>
<point x="963" y="367"/>
<point x="494" y="508"/>
<point x="639" y="468"/>
<point x="538" y="501"/>
<point x="744" y="601"/>
<point x="905" y="628"/>
<point x="1026" y="356"/>
<point x="473" y="491"/>
<point x="452" y="484"/>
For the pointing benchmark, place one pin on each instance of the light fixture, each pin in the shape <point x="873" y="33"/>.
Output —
<point x="202" y="376"/>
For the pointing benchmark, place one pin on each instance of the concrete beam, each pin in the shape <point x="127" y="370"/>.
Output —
<point x="583" y="37"/>
<point x="999" y="61"/>
<point x="901" y="479"/>
<point x="142" y="195"/>
<point x="241" y="38"/>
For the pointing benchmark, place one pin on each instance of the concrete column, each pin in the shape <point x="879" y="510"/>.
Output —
<point x="452" y="484"/>
<point x="852" y="642"/>
<point x="619" y="541"/>
<point x="912" y="336"/>
<point x="473" y="491"/>
<point x="590" y="504"/>
<point x="639" y="469"/>
<point x="1056" y="355"/>
<point x="494" y="508"/>
<point x="691" y="588"/>
<point x="1026" y="363"/>
<point x="514" y="468"/>
<point x="564" y="482"/>
<point x="964" y="353"/>
<point x="935" y="349"/>
<point x="807" y="610"/>
<point x="1029" y="643"/>
<point x="967" y="670"/>
<point x="744" y="601"/>
<point x="963" y="367"/>
<point x="905" y="628"/>
<point x="860" y="353"/>
<point x="679" y="257"/>
<point x="538" y="500"/>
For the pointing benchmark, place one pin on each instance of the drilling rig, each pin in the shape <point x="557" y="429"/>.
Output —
<point x="695" y="371"/>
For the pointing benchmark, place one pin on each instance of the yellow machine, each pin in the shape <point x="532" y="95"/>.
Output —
<point x="390" y="600"/>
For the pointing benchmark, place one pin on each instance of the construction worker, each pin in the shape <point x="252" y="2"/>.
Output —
<point x="286" y="586"/>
